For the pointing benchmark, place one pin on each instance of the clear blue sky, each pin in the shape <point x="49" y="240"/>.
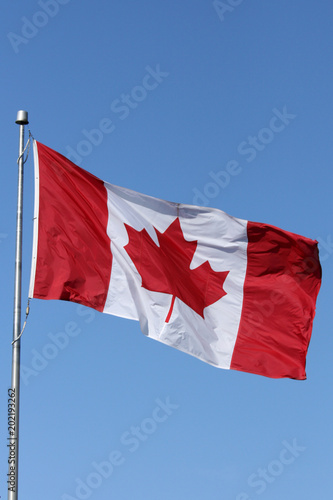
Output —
<point x="221" y="78"/>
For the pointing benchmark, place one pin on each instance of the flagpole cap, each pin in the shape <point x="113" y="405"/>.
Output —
<point x="22" y="118"/>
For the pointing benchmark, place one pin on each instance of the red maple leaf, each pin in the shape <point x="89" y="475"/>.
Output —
<point x="166" y="268"/>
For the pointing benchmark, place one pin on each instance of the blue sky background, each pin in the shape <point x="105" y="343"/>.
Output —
<point x="225" y="76"/>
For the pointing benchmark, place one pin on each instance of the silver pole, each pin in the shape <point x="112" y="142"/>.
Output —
<point x="14" y="391"/>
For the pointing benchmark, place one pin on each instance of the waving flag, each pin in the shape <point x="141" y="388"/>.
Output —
<point x="236" y="294"/>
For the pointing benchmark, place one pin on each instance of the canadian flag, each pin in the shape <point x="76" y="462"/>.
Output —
<point x="236" y="294"/>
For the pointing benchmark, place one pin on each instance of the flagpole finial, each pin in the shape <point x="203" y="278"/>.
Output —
<point x="22" y="117"/>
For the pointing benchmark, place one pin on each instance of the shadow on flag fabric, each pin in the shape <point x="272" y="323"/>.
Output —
<point x="236" y="294"/>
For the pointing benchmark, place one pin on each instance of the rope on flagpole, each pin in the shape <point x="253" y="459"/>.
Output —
<point x="26" y="146"/>
<point x="25" y="321"/>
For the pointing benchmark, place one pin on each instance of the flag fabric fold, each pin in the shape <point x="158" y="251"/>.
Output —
<point x="236" y="294"/>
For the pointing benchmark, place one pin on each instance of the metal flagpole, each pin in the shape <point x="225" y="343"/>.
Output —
<point x="14" y="391"/>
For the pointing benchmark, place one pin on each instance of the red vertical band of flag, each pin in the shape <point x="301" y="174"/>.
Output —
<point x="281" y="286"/>
<point x="73" y="214"/>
